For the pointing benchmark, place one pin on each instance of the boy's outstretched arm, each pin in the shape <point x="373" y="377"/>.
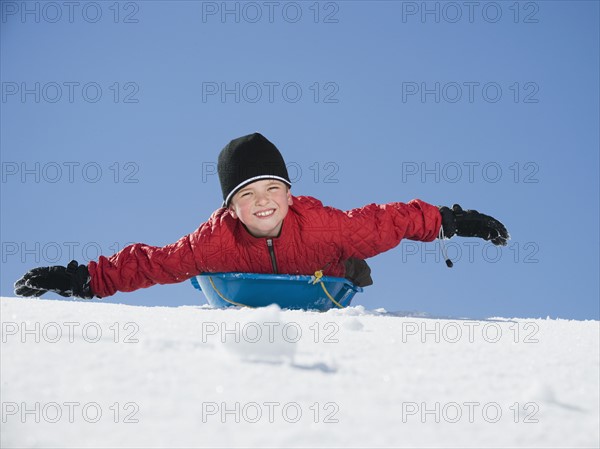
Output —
<point x="375" y="228"/>
<point x="135" y="266"/>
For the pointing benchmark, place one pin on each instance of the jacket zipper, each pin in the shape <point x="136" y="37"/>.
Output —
<point x="272" y="253"/>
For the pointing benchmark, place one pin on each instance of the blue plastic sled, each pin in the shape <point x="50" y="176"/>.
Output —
<point x="287" y="291"/>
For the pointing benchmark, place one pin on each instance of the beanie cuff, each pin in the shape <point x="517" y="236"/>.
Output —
<point x="251" y="180"/>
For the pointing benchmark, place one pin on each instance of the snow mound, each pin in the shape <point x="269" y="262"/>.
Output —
<point x="261" y="336"/>
<point x="90" y="374"/>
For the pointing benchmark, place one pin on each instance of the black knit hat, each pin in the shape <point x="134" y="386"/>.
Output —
<point x="247" y="159"/>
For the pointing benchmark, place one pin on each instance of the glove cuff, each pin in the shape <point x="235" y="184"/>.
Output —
<point x="448" y="221"/>
<point x="80" y="280"/>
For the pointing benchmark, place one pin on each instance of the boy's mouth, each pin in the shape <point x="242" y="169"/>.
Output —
<point x="265" y="213"/>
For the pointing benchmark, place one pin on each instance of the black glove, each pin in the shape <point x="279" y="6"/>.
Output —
<point x="73" y="280"/>
<point x="470" y="223"/>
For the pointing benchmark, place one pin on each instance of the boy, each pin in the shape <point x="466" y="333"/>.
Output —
<point x="262" y="228"/>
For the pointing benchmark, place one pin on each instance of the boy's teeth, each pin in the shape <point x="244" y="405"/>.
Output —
<point x="265" y="213"/>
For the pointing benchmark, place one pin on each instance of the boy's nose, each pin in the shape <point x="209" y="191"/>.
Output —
<point x="261" y="198"/>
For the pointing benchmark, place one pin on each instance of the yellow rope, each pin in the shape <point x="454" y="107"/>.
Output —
<point x="223" y="297"/>
<point x="318" y="276"/>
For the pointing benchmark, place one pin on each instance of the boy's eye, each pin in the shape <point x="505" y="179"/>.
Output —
<point x="245" y="194"/>
<point x="273" y="187"/>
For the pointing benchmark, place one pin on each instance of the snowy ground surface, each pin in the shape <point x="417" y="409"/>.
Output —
<point x="106" y="375"/>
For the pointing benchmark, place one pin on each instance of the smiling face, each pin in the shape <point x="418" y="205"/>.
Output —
<point x="262" y="206"/>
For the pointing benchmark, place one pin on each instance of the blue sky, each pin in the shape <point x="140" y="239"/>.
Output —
<point x="113" y="114"/>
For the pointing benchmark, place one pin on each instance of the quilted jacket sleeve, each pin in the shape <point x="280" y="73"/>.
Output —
<point x="376" y="228"/>
<point x="139" y="265"/>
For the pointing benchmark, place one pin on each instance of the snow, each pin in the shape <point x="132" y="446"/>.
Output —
<point x="176" y="377"/>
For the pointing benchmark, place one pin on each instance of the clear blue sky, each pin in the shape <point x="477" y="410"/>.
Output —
<point x="113" y="114"/>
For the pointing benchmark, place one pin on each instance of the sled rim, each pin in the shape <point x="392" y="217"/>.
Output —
<point x="347" y="288"/>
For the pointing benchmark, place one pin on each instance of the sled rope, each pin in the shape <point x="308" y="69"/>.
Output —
<point x="318" y="276"/>
<point x="223" y="297"/>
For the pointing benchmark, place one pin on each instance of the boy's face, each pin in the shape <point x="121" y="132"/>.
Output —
<point x="262" y="206"/>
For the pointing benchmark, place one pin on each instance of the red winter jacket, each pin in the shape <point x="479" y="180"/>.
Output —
<point x="313" y="237"/>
